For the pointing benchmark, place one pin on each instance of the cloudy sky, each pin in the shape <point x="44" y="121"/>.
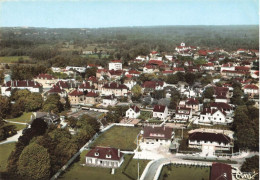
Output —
<point x="115" y="13"/>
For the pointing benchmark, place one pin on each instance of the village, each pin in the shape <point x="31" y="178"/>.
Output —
<point x="165" y="108"/>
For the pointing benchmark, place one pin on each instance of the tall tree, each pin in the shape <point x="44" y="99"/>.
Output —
<point x="34" y="162"/>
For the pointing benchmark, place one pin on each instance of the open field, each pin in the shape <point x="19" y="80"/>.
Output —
<point x="184" y="172"/>
<point x="5" y="151"/>
<point x="118" y="137"/>
<point x="24" y="118"/>
<point x="13" y="59"/>
<point x="76" y="171"/>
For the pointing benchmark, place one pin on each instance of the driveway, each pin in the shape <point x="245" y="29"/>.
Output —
<point x="13" y="138"/>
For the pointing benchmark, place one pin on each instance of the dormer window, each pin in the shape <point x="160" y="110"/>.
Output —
<point x="108" y="156"/>
<point x="96" y="154"/>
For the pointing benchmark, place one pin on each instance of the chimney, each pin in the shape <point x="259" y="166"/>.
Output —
<point x="118" y="152"/>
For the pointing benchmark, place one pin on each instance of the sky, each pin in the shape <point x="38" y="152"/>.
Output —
<point x="118" y="13"/>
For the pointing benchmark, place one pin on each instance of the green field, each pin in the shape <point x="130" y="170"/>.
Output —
<point x="5" y="151"/>
<point x="13" y="59"/>
<point x="181" y="172"/>
<point x="24" y="118"/>
<point x="119" y="137"/>
<point x="76" y="171"/>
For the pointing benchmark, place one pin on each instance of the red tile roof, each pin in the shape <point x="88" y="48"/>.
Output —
<point x="151" y="132"/>
<point x="45" y="76"/>
<point x="76" y="92"/>
<point x="115" y="85"/>
<point x="92" y="94"/>
<point x="250" y="86"/>
<point x="178" y="69"/>
<point x="220" y="171"/>
<point x="133" y="72"/>
<point x="116" y="73"/>
<point x="152" y="84"/>
<point x="159" y="108"/>
<point x="207" y="136"/>
<point x="102" y="153"/>
<point x="242" y="68"/>
<point x="23" y="83"/>
<point x="115" y="61"/>
<point x="56" y="89"/>
<point x="192" y="101"/>
<point x="155" y="62"/>
<point x="63" y="84"/>
<point x="135" y="108"/>
<point x="86" y="85"/>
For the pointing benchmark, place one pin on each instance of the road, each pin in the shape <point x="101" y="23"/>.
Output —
<point x="152" y="170"/>
<point x="13" y="138"/>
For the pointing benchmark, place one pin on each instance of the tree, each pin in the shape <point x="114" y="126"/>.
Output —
<point x="72" y="121"/>
<point x="5" y="106"/>
<point x="251" y="165"/>
<point x="91" y="72"/>
<point x="172" y="79"/>
<point x="209" y="92"/>
<point x="33" y="102"/>
<point x="136" y="91"/>
<point x="88" y="120"/>
<point x="53" y="104"/>
<point x="34" y="162"/>
<point x="190" y="78"/>
<point x="175" y="98"/>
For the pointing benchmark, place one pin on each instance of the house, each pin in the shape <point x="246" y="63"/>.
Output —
<point x="133" y="112"/>
<point x="183" y="114"/>
<point x="160" y="135"/>
<point x="115" y="89"/>
<point x="251" y="90"/>
<point x="182" y="47"/>
<point x="220" y="171"/>
<point x="208" y="67"/>
<point x="214" y="116"/>
<point x="57" y="90"/>
<point x="222" y="106"/>
<point x="160" y="112"/>
<point x="193" y="104"/>
<point x="178" y="69"/>
<point x="101" y="73"/>
<point x="150" y="69"/>
<point x="79" y="69"/>
<point x="49" y="118"/>
<point x="115" y="74"/>
<point x="152" y="85"/>
<point x="109" y="101"/>
<point x="86" y="86"/>
<point x="115" y="65"/>
<point x="46" y="80"/>
<point x="129" y="83"/>
<point x="31" y="86"/>
<point x="210" y="141"/>
<point x="91" y="98"/>
<point x="142" y="58"/>
<point x="76" y="97"/>
<point x="106" y="157"/>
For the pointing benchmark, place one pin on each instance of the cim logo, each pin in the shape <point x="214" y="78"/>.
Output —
<point x="244" y="175"/>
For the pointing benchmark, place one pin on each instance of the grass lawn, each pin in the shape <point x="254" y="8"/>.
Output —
<point x="184" y="172"/>
<point x="76" y="171"/>
<point x="5" y="151"/>
<point x="12" y="59"/>
<point x="118" y="137"/>
<point x="24" y="118"/>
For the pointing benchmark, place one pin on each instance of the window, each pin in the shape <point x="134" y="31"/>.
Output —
<point x="96" y="154"/>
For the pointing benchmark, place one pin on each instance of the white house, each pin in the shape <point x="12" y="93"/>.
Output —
<point x="214" y="116"/>
<point x="115" y="65"/>
<point x="210" y="141"/>
<point x="183" y="114"/>
<point x="115" y="89"/>
<point x="106" y="157"/>
<point x="251" y="89"/>
<point x="46" y="80"/>
<point x="133" y="112"/>
<point x="109" y="101"/>
<point x="160" y="111"/>
<point x="160" y="135"/>
<point x="32" y="86"/>
<point x="130" y="83"/>
<point x="79" y="69"/>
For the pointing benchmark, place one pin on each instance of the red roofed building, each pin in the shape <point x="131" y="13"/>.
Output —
<point x="152" y="85"/>
<point x="167" y="72"/>
<point x="193" y="104"/>
<point x="178" y="69"/>
<point x="251" y="89"/>
<point x="213" y="116"/>
<point x="85" y="86"/>
<point x="91" y="98"/>
<point x="210" y="142"/>
<point x="32" y="86"/>
<point x="183" y="114"/>
<point x="106" y="157"/>
<point x="114" y="89"/>
<point x="76" y="97"/>
<point x="102" y="72"/>
<point x="57" y="90"/>
<point x="46" y="80"/>
<point x="202" y="53"/>
<point x="220" y="171"/>
<point x="155" y="62"/>
<point x="133" y="112"/>
<point x="115" y="65"/>
<point x="161" y="135"/>
<point x="160" y="111"/>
